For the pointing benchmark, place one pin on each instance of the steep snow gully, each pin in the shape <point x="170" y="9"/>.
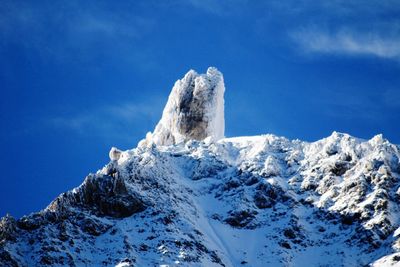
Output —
<point x="188" y="196"/>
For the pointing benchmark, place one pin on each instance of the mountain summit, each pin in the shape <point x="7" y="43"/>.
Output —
<point x="194" y="111"/>
<point x="183" y="199"/>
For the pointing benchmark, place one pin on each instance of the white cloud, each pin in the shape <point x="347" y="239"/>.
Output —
<point x="71" y="20"/>
<point x="342" y="105"/>
<point x="348" y="42"/>
<point x="77" y="32"/>
<point x="122" y="122"/>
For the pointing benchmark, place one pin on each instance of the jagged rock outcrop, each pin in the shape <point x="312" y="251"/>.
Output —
<point x="8" y="228"/>
<point x="103" y="195"/>
<point x="194" y="111"/>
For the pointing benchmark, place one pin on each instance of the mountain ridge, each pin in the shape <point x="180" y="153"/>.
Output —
<point x="241" y="178"/>
<point x="244" y="201"/>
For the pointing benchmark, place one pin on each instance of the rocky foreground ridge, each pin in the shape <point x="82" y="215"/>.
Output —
<point x="186" y="196"/>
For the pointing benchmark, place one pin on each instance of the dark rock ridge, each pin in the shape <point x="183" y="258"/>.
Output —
<point x="103" y="195"/>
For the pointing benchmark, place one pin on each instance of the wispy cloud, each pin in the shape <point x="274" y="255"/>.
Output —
<point x="339" y="104"/>
<point x="371" y="106"/>
<point x="348" y="42"/>
<point x="118" y="122"/>
<point x="75" y="30"/>
<point x="211" y="6"/>
<point x="219" y="8"/>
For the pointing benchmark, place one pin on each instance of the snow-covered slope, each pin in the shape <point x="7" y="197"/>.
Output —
<point x="245" y="201"/>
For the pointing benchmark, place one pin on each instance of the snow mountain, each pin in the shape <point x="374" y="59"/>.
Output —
<point x="187" y="196"/>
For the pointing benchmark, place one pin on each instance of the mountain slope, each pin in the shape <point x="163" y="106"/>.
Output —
<point x="245" y="201"/>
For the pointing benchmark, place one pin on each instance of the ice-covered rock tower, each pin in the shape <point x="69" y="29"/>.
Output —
<point x="195" y="110"/>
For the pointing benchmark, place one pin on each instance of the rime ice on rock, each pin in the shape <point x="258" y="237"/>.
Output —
<point x="194" y="111"/>
<point x="114" y="153"/>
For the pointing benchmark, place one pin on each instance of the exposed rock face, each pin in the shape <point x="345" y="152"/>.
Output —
<point x="103" y="195"/>
<point x="8" y="227"/>
<point x="194" y="111"/>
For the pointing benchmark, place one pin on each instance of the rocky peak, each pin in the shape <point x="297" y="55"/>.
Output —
<point x="194" y="111"/>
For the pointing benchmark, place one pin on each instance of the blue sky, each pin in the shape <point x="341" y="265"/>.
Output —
<point x="78" y="77"/>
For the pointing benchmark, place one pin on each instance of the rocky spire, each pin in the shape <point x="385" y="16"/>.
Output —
<point x="194" y="111"/>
